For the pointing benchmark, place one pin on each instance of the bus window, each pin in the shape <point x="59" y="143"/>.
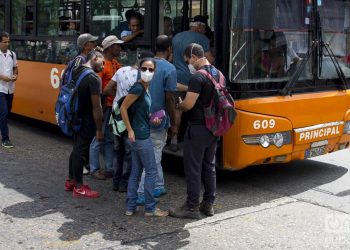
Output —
<point x="49" y="51"/>
<point x="266" y="46"/>
<point x="2" y="15"/>
<point x="170" y="20"/>
<point x="110" y="17"/>
<point x="22" y="17"/>
<point x="335" y="19"/>
<point x="58" y="17"/>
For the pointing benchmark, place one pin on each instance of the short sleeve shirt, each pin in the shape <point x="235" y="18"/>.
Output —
<point x="89" y="85"/>
<point x="140" y="121"/>
<point x="201" y="85"/>
<point x="8" y="61"/>
<point x="180" y="42"/>
<point x="164" y="79"/>
<point x="106" y="75"/>
<point x="125" y="77"/>
<point x="125" y="33"/>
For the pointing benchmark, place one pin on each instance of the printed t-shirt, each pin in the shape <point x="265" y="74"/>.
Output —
<point x="125" y="77"/>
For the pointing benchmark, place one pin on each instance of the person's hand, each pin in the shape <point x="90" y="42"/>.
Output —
<point x="7" y="79"/>
<point x="156" y="121"/>
<point x="99" y="135"/>
<point x="14" y="78"/>
<point x="131" y="135"/>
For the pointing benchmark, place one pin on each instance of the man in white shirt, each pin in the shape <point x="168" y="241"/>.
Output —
<point x="8" y="76"/>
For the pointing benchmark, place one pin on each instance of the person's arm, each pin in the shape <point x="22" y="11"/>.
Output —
<point x="189" y="101"/>
<point x="110" y="89"/>
<point x="132" y="36"/>
<point x="98" y="115"/>
<point x="15" y="74"/>
<point x="128" y="101"/>
<point x="5" y="78"/>
<point x="171" y="107"/>
<point x="181" y="87"/>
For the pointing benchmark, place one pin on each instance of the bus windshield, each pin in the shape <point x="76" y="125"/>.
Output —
<point x="270" y="39"/>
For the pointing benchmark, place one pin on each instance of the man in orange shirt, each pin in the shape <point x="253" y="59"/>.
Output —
<point x="111" y="50"/>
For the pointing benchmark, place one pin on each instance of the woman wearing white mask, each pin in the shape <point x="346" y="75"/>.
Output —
<point x="138" y="101"/>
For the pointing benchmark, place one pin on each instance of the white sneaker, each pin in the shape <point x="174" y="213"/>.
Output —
<point x="85" y="171"/>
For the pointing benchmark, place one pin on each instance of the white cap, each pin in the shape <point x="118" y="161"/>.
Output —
<point x="110" y="40"/>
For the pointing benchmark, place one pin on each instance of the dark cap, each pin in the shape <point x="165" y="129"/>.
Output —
<point x="201" y="19"/>
<point x="144" y="54"/>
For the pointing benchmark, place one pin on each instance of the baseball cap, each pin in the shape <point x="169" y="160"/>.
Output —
<point x="84" y="38"/>
<point x="200" y="19"/>
<point x="110" y="40"/>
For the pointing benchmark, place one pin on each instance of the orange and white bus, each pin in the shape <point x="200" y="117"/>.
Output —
<point x="287" y="63"/>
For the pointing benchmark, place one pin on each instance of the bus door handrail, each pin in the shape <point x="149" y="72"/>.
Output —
<point x="238" y="51"/>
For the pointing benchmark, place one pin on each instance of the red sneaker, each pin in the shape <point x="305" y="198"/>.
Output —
<point x="69" y="185"/>
<point x="85" y="192"/>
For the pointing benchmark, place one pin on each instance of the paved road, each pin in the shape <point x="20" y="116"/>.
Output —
<point x="302" y="205"/>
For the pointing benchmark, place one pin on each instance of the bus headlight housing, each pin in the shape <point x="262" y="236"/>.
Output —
<point x="346" y="129"/>
<point x="278" y="140"/>
<point x="265" y="140"/>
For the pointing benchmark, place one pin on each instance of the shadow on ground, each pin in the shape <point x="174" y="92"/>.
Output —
<point x="37" y="168"/>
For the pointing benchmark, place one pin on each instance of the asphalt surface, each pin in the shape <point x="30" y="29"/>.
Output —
<point x="301" y="205"/>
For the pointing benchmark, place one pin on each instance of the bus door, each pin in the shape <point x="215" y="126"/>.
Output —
<point x="175" y="15"/>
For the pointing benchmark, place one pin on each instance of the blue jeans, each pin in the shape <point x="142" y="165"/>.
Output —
<point x="107" y="144"/>
<point x="5" y="109"/>
<point x="158" y="139"/>
<point x="122" y="161"/>
<point x="142" y="158"/>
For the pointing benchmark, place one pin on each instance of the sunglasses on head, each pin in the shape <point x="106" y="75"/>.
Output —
<point x="144" y="69"/>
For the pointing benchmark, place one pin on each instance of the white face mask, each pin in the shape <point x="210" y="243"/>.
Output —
<point x="192" y="69"/>
<point x="146" y="76"/>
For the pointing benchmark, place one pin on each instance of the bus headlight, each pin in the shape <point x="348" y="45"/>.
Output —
<point x="265" y="140"/>
<point x="346" y="129"/>
<point x="278" y="140"/>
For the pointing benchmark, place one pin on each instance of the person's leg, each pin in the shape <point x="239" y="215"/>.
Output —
<point x="94" y="155"/>
<point x="159" y="140"/>
<point x="3" y="117"/>
<point x="108" y="152"/>
<point x="149" y="164"/>
<point x="118" y="162"/>
<point x="78" y="157"/>
<point x="209" y="172"/>
<point x="136" y="170"/>
<point x="194" y="149"/>
<point x="126" y="163"/>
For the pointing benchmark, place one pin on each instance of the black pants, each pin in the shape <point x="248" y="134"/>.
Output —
<point x="80" y="153"/>
<point x="199" y="163"/>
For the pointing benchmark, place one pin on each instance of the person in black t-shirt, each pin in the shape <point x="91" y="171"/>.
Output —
<point x="199" y="143"/>
<point x="90" y="113"/>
